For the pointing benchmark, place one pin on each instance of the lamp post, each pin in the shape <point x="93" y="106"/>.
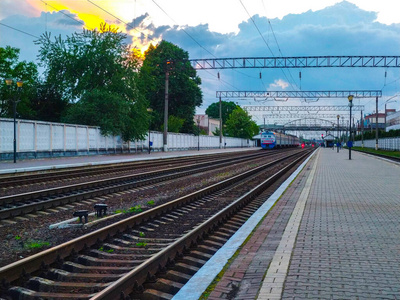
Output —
<point x="337" y="146"/>
<point x="198" y="134"/>
<point x="149" y="110"/>
<point x="350" y="97"/>
<point x="15" y="100"/>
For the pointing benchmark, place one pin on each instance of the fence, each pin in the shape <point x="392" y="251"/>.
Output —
<point x="44" y="139"/>
<point x="383" y="143"/>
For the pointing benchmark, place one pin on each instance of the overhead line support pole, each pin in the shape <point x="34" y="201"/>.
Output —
<point x="220" y="123"/>
<point x="376" y="124"/>
<point x="165" y="135"/>
<point x="362" y="130"/>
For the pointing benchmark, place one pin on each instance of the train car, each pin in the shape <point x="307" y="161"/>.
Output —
<point x="270" y="140"/>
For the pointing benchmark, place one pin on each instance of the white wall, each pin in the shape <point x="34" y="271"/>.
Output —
<point x="36" y="136"/>
<point x="383" y="143"/>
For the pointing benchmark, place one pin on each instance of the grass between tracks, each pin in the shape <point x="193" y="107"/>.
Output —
<point x="381" y="152"/>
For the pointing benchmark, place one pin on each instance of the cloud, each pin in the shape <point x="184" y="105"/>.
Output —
<point x="16" y="7"/>
<point x="340" y="29"/>
<point x="278" y="84"/>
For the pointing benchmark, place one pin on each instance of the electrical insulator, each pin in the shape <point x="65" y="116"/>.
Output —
<point x="218" y="75"/>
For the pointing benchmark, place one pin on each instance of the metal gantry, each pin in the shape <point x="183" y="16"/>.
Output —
<point x="373" y="61"/>
<point x="308" y="124"/>
<point x="301" y="108"/>
<point x="299" y="94"/>
<point x="304" y="116"/>
<point x="299" y="62"/>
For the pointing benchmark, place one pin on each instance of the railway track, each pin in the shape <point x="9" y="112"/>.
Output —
<point x="30" y="202"/>
<point x="146" y="256"/>
<point x="113" y="169"/>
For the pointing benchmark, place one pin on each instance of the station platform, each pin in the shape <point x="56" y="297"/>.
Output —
<point x="7" y="167"/>
<point x="331" y="231"/>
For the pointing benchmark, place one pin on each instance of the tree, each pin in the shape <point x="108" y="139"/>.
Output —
<point x="226" y="108"/>
<point x="48" y="104"/>
<point x="184" y="93"/>
<point x="96" y="73"/>
<point x="216" y="132"/>
<point x="174" y="124"/>
<point x="240" y="124"/>
<point x="11" y="67"/>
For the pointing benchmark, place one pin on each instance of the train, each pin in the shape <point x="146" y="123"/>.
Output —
<point x="270" y="140"/>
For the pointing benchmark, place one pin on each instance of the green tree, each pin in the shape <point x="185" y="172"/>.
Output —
<point x="184" y="93"/>
<point x="240" y="124"/>
<point x="226" y="108"/>
<point x="11" y="67"/>
<point x="48" y="104"/>
<point x="174" y="124"/>
<point x="216" y="132"/>
<point x="96" y="73"/>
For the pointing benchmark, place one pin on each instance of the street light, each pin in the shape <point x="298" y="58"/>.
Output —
<point x="15" y="100"/>
<point x="337" y="146"/>
<point x="149" y="110"/>
<point x="350" y="97"/>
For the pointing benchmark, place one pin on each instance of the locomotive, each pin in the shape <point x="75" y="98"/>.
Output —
<point x="270" y="140"/>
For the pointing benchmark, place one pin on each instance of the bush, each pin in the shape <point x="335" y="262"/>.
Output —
<point x="368" y="135"/>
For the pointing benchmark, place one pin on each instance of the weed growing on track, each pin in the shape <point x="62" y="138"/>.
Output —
<point x="135" y="209"/>
<point x="108" y="251"/>
<point x="36" y="245"/>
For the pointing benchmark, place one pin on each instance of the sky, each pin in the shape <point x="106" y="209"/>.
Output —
<point x="236" y="28"/>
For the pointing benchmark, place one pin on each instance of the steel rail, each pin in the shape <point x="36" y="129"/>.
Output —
<point x="102" y="187"/>
<point x="39" y="176"/>
<point x="32" y="264"/>
<point x="139" y="275"/>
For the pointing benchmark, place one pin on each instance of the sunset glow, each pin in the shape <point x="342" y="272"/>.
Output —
<point x="93" y="16"/>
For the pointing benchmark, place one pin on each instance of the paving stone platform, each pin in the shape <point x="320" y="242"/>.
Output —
<point x="334" y="234"/>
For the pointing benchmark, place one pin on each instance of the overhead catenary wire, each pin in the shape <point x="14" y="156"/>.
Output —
<point x="21" y="31"/>
<point x="201" y="46"/>
<point x="255" y="25"/>
<point x="269" y="48"/>
<point x="68" y="16"/>
<point x="119" y="19"/>
<point x="32" y="35"/>
<point x="276" y="40"/>
<point x="185" y="31"/>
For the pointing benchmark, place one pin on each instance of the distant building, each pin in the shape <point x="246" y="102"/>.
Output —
<point x="328" y="139"/>
<point x="393" y="120"/>
<point x="370" y="121"/>
<point x="207" y="124"/>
